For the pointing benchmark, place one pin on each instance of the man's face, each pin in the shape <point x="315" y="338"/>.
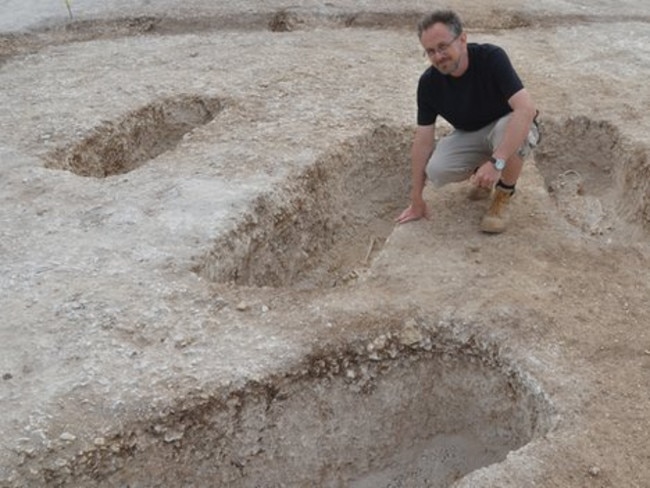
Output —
<point x="444" y="49"/>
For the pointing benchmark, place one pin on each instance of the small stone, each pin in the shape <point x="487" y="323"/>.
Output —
<point x="99" y="441"/>
<point x="594" y="471"/>
<point x="67" y="436"/>
<point x="377" y="344"/>
<point x="7" y="376"/>
<point x="180" y="341"/>
<point x="173" y="436"/>
<point x="242" y="306"/>
<point x="410" y="334"/>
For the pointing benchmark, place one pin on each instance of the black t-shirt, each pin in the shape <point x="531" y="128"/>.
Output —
<point x="475" y="99"/>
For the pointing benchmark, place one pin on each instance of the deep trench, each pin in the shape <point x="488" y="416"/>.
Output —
<point x="120" y="146"/>
<point x="411" y="407"/>
<point x="598" y="179"/>
<point x="325" y="225"/>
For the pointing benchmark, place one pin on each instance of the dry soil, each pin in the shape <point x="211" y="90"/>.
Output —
<point x="198" y="255"/>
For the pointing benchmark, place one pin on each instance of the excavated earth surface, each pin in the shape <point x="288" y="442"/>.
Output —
<point x="201" y="279"/>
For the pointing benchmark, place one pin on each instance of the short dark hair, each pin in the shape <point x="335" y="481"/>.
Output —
<point x="447" y="17"/>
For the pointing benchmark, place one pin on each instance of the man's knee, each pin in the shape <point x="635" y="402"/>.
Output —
<point x="433" y="173"/>
<point x="440" y="175"/>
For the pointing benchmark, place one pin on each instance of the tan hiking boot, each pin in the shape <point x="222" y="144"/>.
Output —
<point x="495" y="220"/>
<point x="479" y="193"/>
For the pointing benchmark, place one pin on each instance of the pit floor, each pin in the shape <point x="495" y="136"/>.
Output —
<point x="106" y="322"/>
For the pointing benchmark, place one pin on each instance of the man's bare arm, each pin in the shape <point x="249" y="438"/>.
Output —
<point x="523" y="113"/>
<point x="421" y="150"/>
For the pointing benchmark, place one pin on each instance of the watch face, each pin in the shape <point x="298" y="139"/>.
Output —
<point x="500" y="164"/>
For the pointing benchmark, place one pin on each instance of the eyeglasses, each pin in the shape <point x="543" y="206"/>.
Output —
<point x="441" y="49"/>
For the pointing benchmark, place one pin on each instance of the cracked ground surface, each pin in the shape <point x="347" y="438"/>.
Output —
<point x="253" y="233"/>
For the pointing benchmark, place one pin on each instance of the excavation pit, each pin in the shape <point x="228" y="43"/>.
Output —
<point x="597" y="179"/>
<point x="120" y="146"/>
<point x="407" y="408"/>
<point x="325" y="225"/>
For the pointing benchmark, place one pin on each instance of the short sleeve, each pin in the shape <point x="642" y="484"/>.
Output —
<point x="427" y="112"/>
<point x="505" y="75"/>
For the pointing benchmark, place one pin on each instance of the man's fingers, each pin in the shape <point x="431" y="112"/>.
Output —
<point x="409" y="218"/>
<point x="410" y="214"/>
<point x="406" y="216"/>
<point x="402" y="219"/>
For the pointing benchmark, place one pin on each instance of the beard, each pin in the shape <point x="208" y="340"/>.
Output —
<point x="448" y="66"/>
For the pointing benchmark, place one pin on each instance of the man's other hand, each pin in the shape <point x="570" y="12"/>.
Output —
<point x="486" y="176"/>
<point x="413" y="212"/>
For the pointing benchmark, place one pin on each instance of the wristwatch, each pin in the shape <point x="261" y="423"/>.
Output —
<point x="499" y="164"/>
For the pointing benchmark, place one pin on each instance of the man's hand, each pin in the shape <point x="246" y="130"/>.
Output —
<point x="415" y="211"/>
<point x="487" y="175"/>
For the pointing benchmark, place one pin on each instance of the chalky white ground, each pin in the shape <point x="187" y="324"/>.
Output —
<point x="110" y="307"/>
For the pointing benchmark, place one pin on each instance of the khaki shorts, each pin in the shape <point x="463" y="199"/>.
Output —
<point x="458" y="155"/>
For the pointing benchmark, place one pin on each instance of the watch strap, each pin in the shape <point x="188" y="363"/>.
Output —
<point x="499" y="164"/>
